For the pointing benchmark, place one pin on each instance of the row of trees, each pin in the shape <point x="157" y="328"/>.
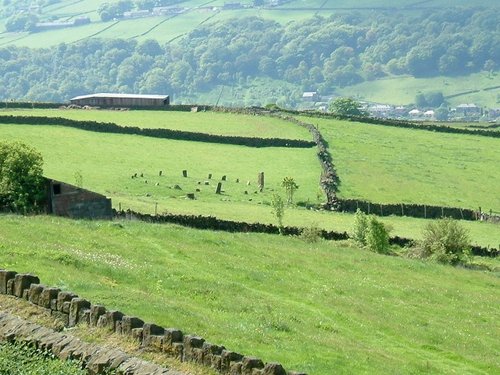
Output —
<point x="315" y="54"/>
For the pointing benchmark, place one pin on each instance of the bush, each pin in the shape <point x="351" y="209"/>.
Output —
<point x="360" y="227"/>
<point x="444" y="241"/>
<point x="377" y="236"/>
<point x="369" y="232"/>
<point x="311" y="234"/>
<point x="21" y="177"/>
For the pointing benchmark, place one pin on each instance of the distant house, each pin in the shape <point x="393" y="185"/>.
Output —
<point x="136" y="14"/>
<point x="161" y="11"/>
<point x="415" y="113"/>
<point x="71" y="201"/>
<point x="41" y="26"/>
<point x="380" y="110"/>
<point x="121" y="100"/>
<point x="429" y="114"/>
<point x="468" y="109"/>
<point x="311" y="96"/>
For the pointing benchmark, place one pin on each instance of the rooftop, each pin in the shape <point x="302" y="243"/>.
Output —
<point x="128" y="96"/>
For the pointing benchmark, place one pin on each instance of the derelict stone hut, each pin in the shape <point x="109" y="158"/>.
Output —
<point x="71" y="201"/>
<point x="121" y="100"/>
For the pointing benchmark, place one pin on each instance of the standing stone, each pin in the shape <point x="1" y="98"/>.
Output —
<point x="35" y="291"/>
<point x="96" y="311"/>
<point x="48" y="294"/>
<point x="184" y="173"/>
<point x="261" y="181"/>
<point x="130" y="322"/>
<point x="5" y="276"/>
<point x="76" y="310"/>
<point x="23" y="282"/>
<point x="210" y="176"/>
<point x="64" y="297"/>
<point x="250" y="363"/>
<point x="160" y="173"/>
<point x="273" y="369"/>
<point x="219" y="188"/>
<point x="224" y="178"/>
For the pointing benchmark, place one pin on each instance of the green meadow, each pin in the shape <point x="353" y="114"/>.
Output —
<point x="204" y="122"/>
<point x="322" y="308"/>
<point x="391" y="165"/>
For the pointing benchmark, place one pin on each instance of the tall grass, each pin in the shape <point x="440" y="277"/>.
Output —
<point x="323" y="308"/>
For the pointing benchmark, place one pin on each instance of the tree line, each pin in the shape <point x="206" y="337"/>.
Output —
<point x="316" y="54"/>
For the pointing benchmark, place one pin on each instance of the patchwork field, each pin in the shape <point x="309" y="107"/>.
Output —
<point x="402" y="90"/>
<point x="107" y="162"/>
<point x="390" y="165"/>
<point x="321" y="308"/>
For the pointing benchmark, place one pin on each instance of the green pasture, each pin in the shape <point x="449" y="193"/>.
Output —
<point x="107" y="162"/>
<point x="403" y="89"/>
<point x="389" y="165"/>
<point x="322" y="308"/>
<point x="204" y="122"/>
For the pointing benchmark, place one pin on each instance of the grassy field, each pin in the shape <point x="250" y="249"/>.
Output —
<point x="321" y="308"/>
<point x="125" y="155"/>
<point x="385" y="164"/>
<point x="402" y="90"/>
<point x="107" y="163"/>
<point x="204" y="122"/>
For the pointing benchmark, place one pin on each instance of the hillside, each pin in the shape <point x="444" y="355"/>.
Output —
<point x="320" y="308"/>
<point x="255" y="55"/>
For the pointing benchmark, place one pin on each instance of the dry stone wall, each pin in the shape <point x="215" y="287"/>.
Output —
<point x="73" y="310"/>
<point x="95" y="358"/>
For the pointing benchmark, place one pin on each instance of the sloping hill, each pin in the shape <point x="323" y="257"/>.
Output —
<point x="322" y="308"/>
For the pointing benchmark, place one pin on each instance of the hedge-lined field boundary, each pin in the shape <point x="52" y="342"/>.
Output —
<point x="109" y="127"/>
<point x="213" y="223"/>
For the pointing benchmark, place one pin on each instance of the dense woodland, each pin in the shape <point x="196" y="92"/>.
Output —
<point x="316" y="54"/>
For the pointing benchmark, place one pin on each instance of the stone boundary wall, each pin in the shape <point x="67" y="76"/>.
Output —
<point x="213" y="223"/>
<point x="109" y="127"/>
<point x="73" y="310"/>
<point x="96" y="359"/>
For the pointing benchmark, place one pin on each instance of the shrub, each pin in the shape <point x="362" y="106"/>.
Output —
<point x="278" y="210"/>
<point x="369" y="232"/>
<point x="444" y="241"/>
<point x="360" y="227"/>
<point x="311" y="234"/>
<point x="377" y="236"/>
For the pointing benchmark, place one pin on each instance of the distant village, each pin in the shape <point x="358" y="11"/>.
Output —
<point x="461" y="112"/>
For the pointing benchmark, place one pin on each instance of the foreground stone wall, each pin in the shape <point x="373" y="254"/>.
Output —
<point x="73" y="310"/>
<point x="96" y="359"/>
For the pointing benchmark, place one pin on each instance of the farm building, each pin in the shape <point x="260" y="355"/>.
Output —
<point x="121" y="100"/>
<point x="71" y="201"/>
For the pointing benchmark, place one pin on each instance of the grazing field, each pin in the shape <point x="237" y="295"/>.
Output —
<point x="390" y="165"/>
<point x="402" y="90"/>
<point x="321" y="308"/>
<point x="107" y="162"/>
<point x="204" y="122"/>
